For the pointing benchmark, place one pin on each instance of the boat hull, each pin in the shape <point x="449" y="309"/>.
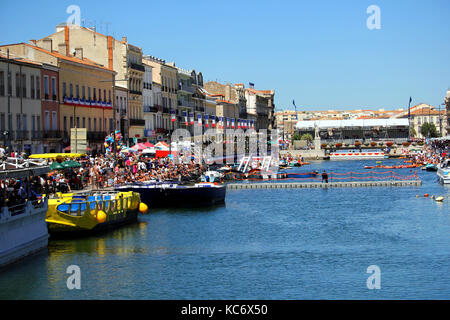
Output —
<point x="24" y="234"/>
<point x="444" y="175"/>
<point x="80" y="215"/>
<point x="179" y="196"/>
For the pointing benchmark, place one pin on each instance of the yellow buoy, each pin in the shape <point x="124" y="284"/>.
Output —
<point x="441" y="198"/>
<point x="101" y="216"/>
<point x="143" y="208"/>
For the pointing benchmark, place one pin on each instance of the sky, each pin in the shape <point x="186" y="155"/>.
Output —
<point x="319" y="53"/>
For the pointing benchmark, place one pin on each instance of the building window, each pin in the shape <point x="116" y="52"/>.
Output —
<point x="38" y="87"/>
<point x="65" y="123"/>
<point x="95" y="94"/>
<point x="78" y="122"/>
<point x="54" y="121"/>
<point x="99" y="94"/>
<point x="95" y="124"/>
<point x="2" y="83"/>
<point x="64" y="89"/>
<point x="32" y="92"/>
<point x="33" y="124"/>
<point x="24" y="86"/>
<point x="54" y="88"/>
<point x="46" y="87"/>
<point x="9" y="84"/>
<point x="89" y="93"/>
<point x="2" y="122"/>
<point x="83" y="92"/>
<point x="71" y="122"/>
<point x="99" y="124"/>
<point x="78" y="91"/>
<point x="71" y="90"/>
<point x="109" y="95"/>
<point x="17" y="85"/>
<point x="84" y="122"/>
<point x="111" y="125"/>
<point x="25" y="123"/>
<point x="89" y="124"/>
<point x="38" y="121"/>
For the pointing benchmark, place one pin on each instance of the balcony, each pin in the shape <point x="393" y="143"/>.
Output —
<point x="186" y="88"/>
<point x="166" y="110"/>
<point x="22" y="135"/>
<point x="137" y="122"/>
<point x="150" y="109"/>
<point x="96" y="136"/>
<point x="36" y="135"/>
<point x="50" y="134"/>
<point x="161" y="130"/>
<point x="136" y="66"/>
<point x="136" y="92"/>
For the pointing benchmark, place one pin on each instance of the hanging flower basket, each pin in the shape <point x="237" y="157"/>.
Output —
<point x="324" y="145"/>
<point x="406" y="144"/>
<point x="357" y="143"/>
<point x="389" y="143"/>
<point x="338" y="145"/>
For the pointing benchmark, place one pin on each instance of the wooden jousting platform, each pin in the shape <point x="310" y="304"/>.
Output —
<point x="308" y="185"/>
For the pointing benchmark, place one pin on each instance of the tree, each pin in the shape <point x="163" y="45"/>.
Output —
<point x="296" y="136"/>
<point x="429" y="130"/>
<point x="413" y="132"/>
<point x="307" y="136"/>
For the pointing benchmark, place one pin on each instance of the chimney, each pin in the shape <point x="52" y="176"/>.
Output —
<point x="47" y="44"/>
<point x="228" y="92"/>
<point x="79" y="53"/>
<point x="124" y="39"/>
<point x="62" y="48"/>
<point x="33" y="42"/>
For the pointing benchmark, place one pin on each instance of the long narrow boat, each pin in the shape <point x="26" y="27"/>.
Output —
<point x="23" y="231"/>
<point x="174" y="194"/>
<point x="80" y="214"/>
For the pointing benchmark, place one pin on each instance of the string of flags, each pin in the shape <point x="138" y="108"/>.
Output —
<point x="220" y="122"/>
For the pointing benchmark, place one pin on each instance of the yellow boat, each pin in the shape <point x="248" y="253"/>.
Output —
<point x="71" y="214"/>
<point x="56" y="155"/>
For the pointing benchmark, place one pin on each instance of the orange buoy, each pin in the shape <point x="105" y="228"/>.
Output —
<point x="426" y="195"/>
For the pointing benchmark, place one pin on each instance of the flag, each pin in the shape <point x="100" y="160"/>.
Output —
<point x="199" y="119"/>
<point x="238" y="123"/>
<point x="232" y="123"/>
<point x="173" y="115"/>
<point x="185" y="118"/>
<point x="228" y="122"/>
<point x="206" y="121"/>
<point x="213" y="121"/>
<point x="191" y="115"/>
<point x="409" y="107"/>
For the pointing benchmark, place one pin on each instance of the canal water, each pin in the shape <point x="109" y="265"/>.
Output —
<point x="263" y="244"/>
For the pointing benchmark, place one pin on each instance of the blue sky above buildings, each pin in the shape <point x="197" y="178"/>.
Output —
<point x="318" y="53"/>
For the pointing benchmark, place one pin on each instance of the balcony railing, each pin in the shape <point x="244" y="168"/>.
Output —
<point x="161" y="130"/>
<point x="136" y="66"/>
<point x="36" y="135"/>
<point x="96" y="136"/>
<point x="22" y="135"/>
<point x="136" y="92"/>
<point x="51" y="134"/>
<point x="137" y="122"/>
<point x="186" y="88"/>
<point x="150" y="109"/>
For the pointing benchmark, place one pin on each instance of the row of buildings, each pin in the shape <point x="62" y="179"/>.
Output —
<point x="79" y="78"/>
<point x="419" y="114"/>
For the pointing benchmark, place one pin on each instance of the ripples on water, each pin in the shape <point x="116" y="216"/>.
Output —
<point x="264" y="244"/>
